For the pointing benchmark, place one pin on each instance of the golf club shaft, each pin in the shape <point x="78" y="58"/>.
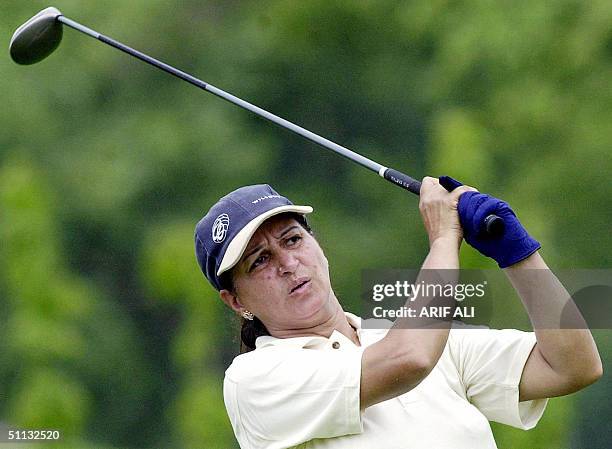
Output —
<point x="389" y="174"/>
<point x="492" y="224"/>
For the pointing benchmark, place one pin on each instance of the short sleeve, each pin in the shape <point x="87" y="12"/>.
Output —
<point x="490" y="363"/>
<point x="285" y="397"/>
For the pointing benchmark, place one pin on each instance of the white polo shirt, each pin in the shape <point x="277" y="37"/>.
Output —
<point x="305" y="391"/>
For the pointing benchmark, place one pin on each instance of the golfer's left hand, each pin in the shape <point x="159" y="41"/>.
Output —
<point x="513" y="246"/>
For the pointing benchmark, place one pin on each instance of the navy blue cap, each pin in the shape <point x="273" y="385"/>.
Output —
<point x="224" y="233"/>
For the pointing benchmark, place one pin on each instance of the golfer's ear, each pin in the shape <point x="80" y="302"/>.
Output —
<point x="231" y="300"/>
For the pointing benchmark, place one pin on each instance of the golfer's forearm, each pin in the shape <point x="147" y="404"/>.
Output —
<point x="421" y="337"/>
<point x="443" y="254"/>
<point x="412" y="347"/>
<point x="428" y="339"/>
<point x="563" y="337"/>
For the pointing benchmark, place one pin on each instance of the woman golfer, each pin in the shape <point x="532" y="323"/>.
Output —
<point x="313" y="378"/>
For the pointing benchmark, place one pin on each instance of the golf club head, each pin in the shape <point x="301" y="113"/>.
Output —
<point x="37" y="38"/>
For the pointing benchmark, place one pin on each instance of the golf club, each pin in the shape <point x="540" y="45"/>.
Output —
<point x="41" y="35"/>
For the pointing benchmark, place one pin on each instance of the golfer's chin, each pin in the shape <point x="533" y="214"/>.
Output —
<point x="311" y="306"/>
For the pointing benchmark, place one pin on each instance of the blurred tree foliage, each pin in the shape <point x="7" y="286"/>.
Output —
<point x="108" y="329"/>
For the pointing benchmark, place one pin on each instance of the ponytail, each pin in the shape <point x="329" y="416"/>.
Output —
<point x="249" y="331"/>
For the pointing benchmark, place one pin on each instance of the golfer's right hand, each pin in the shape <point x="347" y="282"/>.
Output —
<point x="438" y="209"/>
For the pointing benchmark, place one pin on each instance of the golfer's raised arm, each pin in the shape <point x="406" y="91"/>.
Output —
<point x="411" y="348"/>
<point x="565" y="358"/>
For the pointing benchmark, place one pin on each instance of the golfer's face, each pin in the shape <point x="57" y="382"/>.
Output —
<point x="283" y="276"/>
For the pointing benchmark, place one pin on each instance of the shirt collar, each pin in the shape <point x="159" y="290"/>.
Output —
<point x="311" y="342"/>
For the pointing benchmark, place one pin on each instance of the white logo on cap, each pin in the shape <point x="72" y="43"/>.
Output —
<point x="219" y="228"/>
<point x="267" y="197"/>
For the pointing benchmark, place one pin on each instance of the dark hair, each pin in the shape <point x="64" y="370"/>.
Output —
<point x="251" y="329"/>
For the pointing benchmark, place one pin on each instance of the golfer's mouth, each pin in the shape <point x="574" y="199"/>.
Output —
<point x="300" y="286"/>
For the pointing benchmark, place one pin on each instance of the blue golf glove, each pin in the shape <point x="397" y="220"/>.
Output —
<point x="514" y="245"/>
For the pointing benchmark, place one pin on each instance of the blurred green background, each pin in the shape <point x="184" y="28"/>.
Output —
<point x="108" y="330"/>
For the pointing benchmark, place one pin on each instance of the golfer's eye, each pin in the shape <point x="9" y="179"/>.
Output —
<point x="293" y="240"/>
<point x="260" y="259"/>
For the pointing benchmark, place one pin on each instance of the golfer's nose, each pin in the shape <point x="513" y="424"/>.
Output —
<point x="287" y="262"/>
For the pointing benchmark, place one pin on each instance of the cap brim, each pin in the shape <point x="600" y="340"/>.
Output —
<point x="237" y="246"/>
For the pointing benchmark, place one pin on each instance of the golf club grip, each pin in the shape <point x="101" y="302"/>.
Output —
<point x="493" y="225"/>
<point x="402" y="180"/>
